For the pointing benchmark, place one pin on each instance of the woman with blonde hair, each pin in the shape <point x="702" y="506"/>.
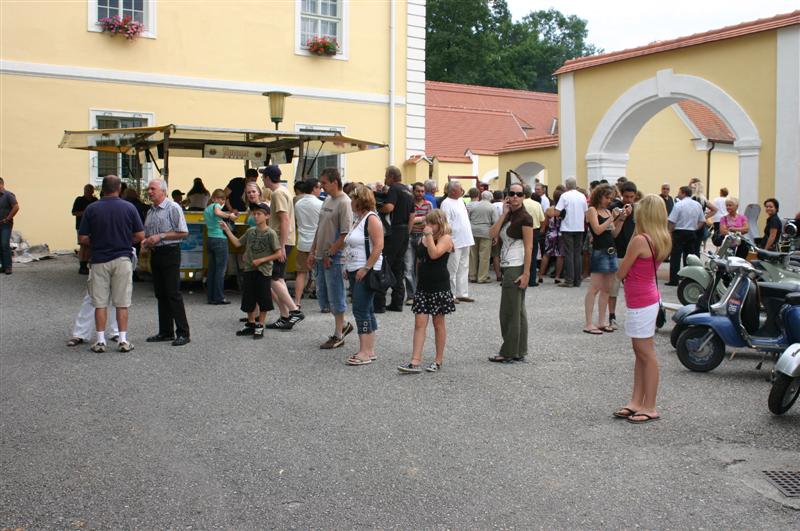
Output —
<point x="363" y="247"/>
<point x="650" y="245"/>
<point x="432" y="297"/>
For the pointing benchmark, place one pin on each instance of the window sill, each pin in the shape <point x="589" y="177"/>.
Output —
<point x="341" y="56"/>
<point x="144" y="34"/>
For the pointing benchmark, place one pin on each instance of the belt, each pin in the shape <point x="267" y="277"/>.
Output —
<point x="167" y="246"/>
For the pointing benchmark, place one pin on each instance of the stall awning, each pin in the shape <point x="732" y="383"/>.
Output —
<point x="193" y="141"/>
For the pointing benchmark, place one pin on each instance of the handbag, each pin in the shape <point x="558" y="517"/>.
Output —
<point x="381" y="279"/>
<point x="661" y="317"/>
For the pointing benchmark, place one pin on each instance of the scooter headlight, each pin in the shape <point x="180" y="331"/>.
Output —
<point x="713" y="266"/>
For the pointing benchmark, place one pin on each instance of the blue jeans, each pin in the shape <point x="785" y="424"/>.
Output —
<point x="363" y="310"/>
<point x="217" y="264"/>
<point x="330" y="285"/>
<point x="5" y="245"/>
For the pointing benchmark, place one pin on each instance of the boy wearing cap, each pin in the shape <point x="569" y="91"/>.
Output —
<point x="261" y="248"/>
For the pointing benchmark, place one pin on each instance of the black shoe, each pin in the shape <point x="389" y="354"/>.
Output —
<point x="180" y="341"/>
<point x="7" y="271"/>
<point x="217" y="303"/>
<point x="670" y="283"/>
<point x="295" y="316"/>
<point x="282" y="323"/>
<point x="379" y="310"/>
<point x="159" y="338"/>
<point x="83" y="271"/>
<point x="248" y="330"/>
<point x="393" y="308"/>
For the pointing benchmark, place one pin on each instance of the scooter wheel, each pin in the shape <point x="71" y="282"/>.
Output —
<point x="783" y="394"/>
<point x="700" y="349"/>
<point x="689" y="291"/>
<point x="676" y="332"/>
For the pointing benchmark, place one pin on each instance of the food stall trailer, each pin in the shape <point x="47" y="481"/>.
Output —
<point x="254" y="147"/>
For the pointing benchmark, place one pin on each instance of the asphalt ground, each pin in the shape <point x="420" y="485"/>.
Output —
<point x="232" y="433"/>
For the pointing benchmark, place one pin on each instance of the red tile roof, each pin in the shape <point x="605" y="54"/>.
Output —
<point x="728" y="32"/>
<point x="482" y="119"/>
<point x="531" y="143"/>
<point x="707" y="122"/>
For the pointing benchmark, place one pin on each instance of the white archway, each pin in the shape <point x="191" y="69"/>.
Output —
<point x="607" y="155"/>
<point x="489" y="176"/>
<point x="529" y="171"/>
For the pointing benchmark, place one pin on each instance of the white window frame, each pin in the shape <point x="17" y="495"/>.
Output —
<point x="343" y="54"/>
<point x="150" y="26"/>
<point x="94" y="114"/>
<point x="327" y="128"/>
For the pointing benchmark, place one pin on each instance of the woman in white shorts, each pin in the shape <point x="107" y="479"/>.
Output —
<point x="649" y="247"/>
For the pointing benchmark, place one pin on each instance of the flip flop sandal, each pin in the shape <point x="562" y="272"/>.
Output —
<point x="593" y="331"/>
<point x="607" y="328"/>
<point x="624" y="412"/>
<point x="75" y="341"/>
<point x="353" y="360"/>
<point x="647" y="418"/>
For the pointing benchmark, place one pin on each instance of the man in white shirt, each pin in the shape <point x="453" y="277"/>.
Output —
<point x="306" y="213"/>
<point x="458" y="263"/>
<point x="573" y="204"/>
<point x="719" y="202"/>
<point x="539" y="190"/>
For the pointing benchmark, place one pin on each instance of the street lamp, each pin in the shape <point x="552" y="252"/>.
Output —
<point x="277" y="99"/>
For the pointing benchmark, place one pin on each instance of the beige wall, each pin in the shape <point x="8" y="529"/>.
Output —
<point x="246" y="41"/>
<point x="32" y="164"/>
<point x="223" y="43"/>
<point x="743" y="67"/>
<point x="663" y="152"/>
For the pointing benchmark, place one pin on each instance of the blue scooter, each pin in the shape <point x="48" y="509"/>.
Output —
<point x="735" y="321"/>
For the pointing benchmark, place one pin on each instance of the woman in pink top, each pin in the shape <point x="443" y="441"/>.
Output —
<point x="650" y="245"/>
<point x="733" y="221"/>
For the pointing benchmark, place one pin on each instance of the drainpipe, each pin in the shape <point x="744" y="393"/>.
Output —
<point x="392" y="61"/>
<point x="708" y="167"/>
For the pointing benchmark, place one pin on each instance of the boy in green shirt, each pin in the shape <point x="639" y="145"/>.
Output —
<point x="261" y="247"/>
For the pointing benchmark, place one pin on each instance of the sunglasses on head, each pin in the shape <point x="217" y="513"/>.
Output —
<point x="516" y="194"/>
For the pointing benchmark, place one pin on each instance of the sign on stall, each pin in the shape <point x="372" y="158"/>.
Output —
<point x="233" y="152"/>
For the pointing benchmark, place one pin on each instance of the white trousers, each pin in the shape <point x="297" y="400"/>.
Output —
<point x="84" y="322"/>
<point x="458" y="266"/>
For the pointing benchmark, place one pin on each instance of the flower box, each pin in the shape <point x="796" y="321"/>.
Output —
<point x="322" y="45"/>
<point x="117" y="25"/>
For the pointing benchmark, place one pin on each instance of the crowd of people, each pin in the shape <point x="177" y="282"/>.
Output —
<point x="352" y="238"/>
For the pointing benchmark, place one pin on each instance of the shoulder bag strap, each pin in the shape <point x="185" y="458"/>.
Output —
<point x="366" y="234"/>
<point x="655" y="269"/>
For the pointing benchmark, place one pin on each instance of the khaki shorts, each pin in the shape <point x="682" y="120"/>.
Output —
<point x="300" y="262"/>
<point x="112" y="280"/>
<point x="614" y="290"/>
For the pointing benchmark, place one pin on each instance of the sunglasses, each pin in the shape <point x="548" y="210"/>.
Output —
<point x="516" y="194"/>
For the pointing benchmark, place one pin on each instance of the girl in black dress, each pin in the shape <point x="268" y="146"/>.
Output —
<point x="433" y="296"/>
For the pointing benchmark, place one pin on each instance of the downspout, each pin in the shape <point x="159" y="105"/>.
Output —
<point x="392" y="61"/>
<point x="708" y="167"/>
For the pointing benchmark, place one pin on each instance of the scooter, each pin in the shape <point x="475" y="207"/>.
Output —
<point x="696" y="275"/>
<point x="786" y="381"/>
<point x="721" y="277"/>
<point x="777" y="266"/>
<point x="735" y="321"/>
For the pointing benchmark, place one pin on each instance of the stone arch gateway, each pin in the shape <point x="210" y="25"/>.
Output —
<point x="607" y="153"/>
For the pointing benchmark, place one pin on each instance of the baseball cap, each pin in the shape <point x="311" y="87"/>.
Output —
<point x="273" y="173"/>
<point x="260" y="206"/>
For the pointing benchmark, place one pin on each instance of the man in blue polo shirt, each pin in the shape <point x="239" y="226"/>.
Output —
<point x="111" y="226"/>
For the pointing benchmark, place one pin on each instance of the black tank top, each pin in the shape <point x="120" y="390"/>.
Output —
<point x="433" y="275"/>
<point x="604" y="241"/>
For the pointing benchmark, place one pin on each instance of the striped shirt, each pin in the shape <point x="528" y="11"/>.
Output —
<point x="421" y="210"/>
<point x="165" y="217"/>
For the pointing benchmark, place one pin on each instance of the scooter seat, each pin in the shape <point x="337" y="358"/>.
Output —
<point x="793" y="298"/>
<point x="772" y="256"/>
<point x="777" y="290"/>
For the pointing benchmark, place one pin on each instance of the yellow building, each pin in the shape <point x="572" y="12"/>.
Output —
<point x="204" y="66"/>
<point x="748" y="75"/>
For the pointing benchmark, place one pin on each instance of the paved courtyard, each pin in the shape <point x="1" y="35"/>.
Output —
<point x="237" y="434"/>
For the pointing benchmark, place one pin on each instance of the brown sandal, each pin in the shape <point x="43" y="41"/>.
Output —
<point x="75" y="341"/>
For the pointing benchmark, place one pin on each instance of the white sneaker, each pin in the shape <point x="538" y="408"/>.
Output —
<point x="98" y="347"/>
<point x="125" y="346"/>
